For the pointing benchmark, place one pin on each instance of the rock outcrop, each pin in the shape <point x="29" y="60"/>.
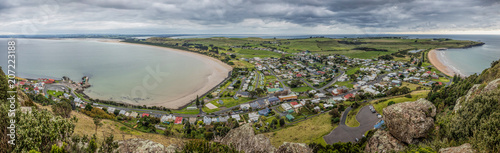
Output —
<point x="141" y="145"/>
<point x="243" y="138"/>
<point x="410" y="120"/>
<point x="382" y="141"/>
<point x="288" y="147"/>
<point x="464" y="148"/>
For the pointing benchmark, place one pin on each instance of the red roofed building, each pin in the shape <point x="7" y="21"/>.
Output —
<point x="145" y="114"/>
<point x="178" y="120"/>
<point x="294" y="103"/>
<point x="321" y="72"/>
<point x="346" y="97"/>
<point x="440" y="83"/>
<point x="22" y="83"/>
<point x="299" y="75"/>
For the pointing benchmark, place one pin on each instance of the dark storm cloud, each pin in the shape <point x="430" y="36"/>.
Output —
<point x="172" y="15"/>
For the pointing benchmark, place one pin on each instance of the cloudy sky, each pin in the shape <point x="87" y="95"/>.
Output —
<point x="249" y="16"/>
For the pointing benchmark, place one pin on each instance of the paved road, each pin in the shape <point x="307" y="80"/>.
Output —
<point x="343" y="133"/>
<point x="281" y="81"/>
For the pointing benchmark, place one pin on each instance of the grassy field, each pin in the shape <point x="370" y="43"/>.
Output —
<point x="348" y="84"/>
<point x="302" y="89"/>
<point x="351" y="47"/>
<point x="85" y="126"/>
<point x="185" y="111"/>
<point x="382" y="103"/>
<point x="54" y="93"/>
<point x="311" y="130"/>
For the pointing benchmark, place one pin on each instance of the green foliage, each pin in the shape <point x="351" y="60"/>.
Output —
<point x="391" y="103"/>
<point x="57" y="149"/>
<point x="92" y="148"/>
<point x="108" y="145"/>
<point x="207" y="147"/>
<point x="62" y="108"/>
<point x="98" y="113"/>
<point x="40" y="129"/>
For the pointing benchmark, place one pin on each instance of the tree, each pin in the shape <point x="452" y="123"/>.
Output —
<point x="97" y="123"/>
<point x="197" y="101"/>
<point x="108" y="145"/>
<point x="252" y="94"/>
<point x="391" y="103"/>
<point x="282" y="122"/>
<point x="88" y="107"/>
<point x="62" y="108"/>
<point x="259" y="91"/>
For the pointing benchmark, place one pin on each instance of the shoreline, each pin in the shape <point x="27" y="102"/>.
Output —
<point x="219" y="73"/>
<point x="437" y="62"/>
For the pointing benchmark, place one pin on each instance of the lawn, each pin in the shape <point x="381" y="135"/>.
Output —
<point x="185" y="111"/>
<point x="310" y="130"/>
<point x="413" y="86"/>
<point x="441" y="79"/>
<point x="348" y="84"/>
<point x="381" y="104"/>
<point x="54" y="93"/>
<point x="302" y="89"/>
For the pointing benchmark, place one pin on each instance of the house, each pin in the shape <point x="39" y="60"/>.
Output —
<point x="165" y="118"/>
<point x="273" y="100"/>
<point x="127" y="114"/>
<point x="317" y="109"/>
<point x="223" y="119"/>
<point x="192" y="120"/>
<point x="288" y="97"/>
<point x="245" y="106"/>
<point x="133" y="114"/>
<point x="122" y="112"/>
<point x="255" y="105"/>
<point x="295" y="105"/>
<point x="350" y="95"/>
<point x="236" y="117"/>
<point x="111" y="110"/>
<point x="327" y="105"/>
<point x="286" y="106"/>
<point x="254" y="117"/>
<point x="263" y="103"/>
<point x="242" y="94"/>
<point x="178" y="120"/>
<point x="264" y="112"/>
<point x="144" y="114"/>
<point x="290" y="117"/>
<point x="434" y="76"/>
<point x="207" y="120"/>
<point x="319" y="95"/>
<point x="396" y="82"/>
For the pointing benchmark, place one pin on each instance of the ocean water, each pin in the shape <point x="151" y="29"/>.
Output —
<point x="117" y="71"/>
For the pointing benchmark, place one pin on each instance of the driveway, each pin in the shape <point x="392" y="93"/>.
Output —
<point x="343" y="133"/>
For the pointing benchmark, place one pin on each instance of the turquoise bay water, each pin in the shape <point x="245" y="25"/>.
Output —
<point x="117" y="71"/>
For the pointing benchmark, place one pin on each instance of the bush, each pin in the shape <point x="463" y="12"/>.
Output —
<point x="391" y="103"/>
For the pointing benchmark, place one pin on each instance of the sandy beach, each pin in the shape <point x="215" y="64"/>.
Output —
<point x="219" y="70"/>
<point x="437" y="61"/>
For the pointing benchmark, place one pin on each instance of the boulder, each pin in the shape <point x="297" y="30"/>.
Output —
<point x="140" y="145"/>
<point x="410" y="120"/>
<point x="243" y="138"/>
<point x="382" y="141"/>
<point x="288" y="147"/>
<point x="464" y="148"/>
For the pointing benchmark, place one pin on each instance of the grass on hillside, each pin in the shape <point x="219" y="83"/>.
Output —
<point x="85" y="126"/>
<point x="310" y="130"/>
<point x="381" y="104"/>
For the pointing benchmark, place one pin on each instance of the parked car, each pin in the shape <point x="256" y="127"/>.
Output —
<point x="372" y="109"/>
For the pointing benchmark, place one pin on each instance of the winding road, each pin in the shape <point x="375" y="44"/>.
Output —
<point x="344" y="133"/>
